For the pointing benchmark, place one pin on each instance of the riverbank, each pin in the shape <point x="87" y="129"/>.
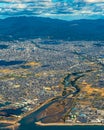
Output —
<point x="13" y="122"/>
<point x="38" y="107"/>
<point x="68" y="124"/>
<point x="14" y="126"/>
<point x="8" y="122"/>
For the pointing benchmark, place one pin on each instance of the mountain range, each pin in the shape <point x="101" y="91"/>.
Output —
<point x="15" y="28"/>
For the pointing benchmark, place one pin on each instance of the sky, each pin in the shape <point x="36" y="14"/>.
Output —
<point x="60" y="9"/>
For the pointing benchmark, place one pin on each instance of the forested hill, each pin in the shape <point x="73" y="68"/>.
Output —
<point x="15" y="28"/>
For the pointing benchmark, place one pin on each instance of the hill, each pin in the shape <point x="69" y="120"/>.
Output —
<point x="14" y="28"/>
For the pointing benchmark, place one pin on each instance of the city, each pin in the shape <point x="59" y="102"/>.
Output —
<point x="33" y="72"/>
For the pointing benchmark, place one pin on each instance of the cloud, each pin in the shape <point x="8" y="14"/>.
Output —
<point x="52" y="8"/>
<point x="94" y="1"/>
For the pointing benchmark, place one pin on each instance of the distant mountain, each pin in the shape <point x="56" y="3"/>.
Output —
<point x="33" y="27"/>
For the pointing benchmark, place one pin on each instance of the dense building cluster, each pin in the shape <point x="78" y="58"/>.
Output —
<point x="32" y="71"/>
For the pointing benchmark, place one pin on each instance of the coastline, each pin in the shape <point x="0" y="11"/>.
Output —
<point x="39" y="123"/>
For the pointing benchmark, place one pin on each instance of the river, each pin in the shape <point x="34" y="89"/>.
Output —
<point x="28" y="122"/>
